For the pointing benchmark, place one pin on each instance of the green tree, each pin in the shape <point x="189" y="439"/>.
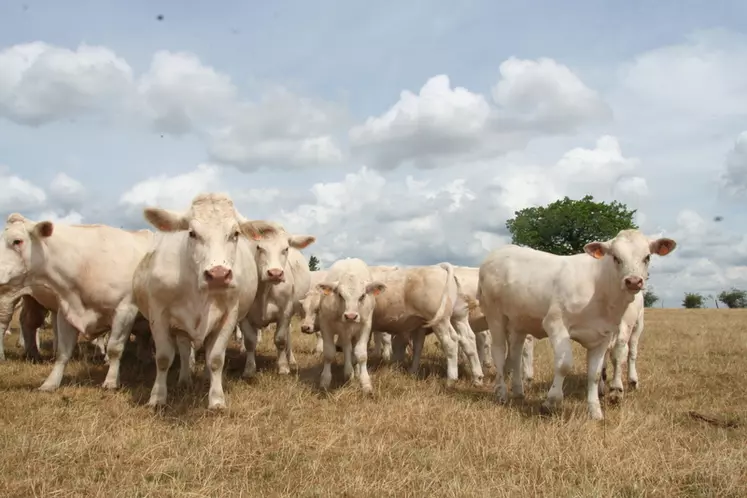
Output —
<point x="692" y="300"/>
<point x="314" y="263"/>
<point x="564" y="227"/>
<point x="734" y="298"/>
<point x="650" y="298"/>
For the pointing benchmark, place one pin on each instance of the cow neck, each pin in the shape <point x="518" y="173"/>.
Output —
<point x="616" y="299"/>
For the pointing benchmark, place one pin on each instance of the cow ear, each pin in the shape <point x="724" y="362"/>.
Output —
<point x="165" y="220"/>
<point x="257" y="229"/>
<point x="375" y="288"/>
<point x="327" y="288"/>
<point x="662" y="246"/>
<point x="596" y="250"/>
<point x="301" y="241"/>
<point x="44" y="229"/>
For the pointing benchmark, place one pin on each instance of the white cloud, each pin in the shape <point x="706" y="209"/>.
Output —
<point x="441" y="124"/>
<point x="41" y="83"/>
<point x="17" y="194"/>
<point x="71" y="217"/>
<point x="66" y="191"/>
<point x="173" y="192"/>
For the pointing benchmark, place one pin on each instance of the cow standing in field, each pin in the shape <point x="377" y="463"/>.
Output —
<point x="581" y="297"/>
<point x="310" y="308"/>
<point x="348" y="299"/>
<point x="426" y="297"/>
<point x="198" y="280"/>
<point x="89" y="268"/>
<point x="284" y="278"/>
<point x="625" y="347"/>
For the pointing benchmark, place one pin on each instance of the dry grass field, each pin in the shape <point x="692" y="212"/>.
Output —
<point x="281" y="437"/>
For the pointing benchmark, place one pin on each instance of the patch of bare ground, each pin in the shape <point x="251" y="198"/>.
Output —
<point x="281" y="437"/>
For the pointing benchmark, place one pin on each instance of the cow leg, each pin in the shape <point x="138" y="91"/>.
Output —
<point x="619" y="352"/>
<point x="184" y="346"/>
<point x="347" y="354"/>
<point x="594" y="361"/>
<point x="480" y="340"/>
<point x="329" y="357"/>
<point x="215" y="358"/>
<point x="55" y="333"/>
<point x="497" y="326"/>
<point x="361" y="357"/>
<point x="560" y="340"/>
<point x="319" y="348"/>
<point x="250" y="344"/>
<point x="144" y="351"/>
<point x="516" y="346"/>
<point x="443" y="332"/>
<point x="124" y="319"/>
<point x="239" y="336"/>
<point x="377" y="350"/>
<point x="282" y="343"/>
<point x="528" y="358"/>
<point x="468" y="343"/>
<point x="68" y="338"/>
<point x="100" y="344"/>
<point x="633" y="353"/>
<point x="165" y="352"/>
<point x="32" y="317"/>
<point x="386" y="352"/>
<point x="418" y="341"/>
<point x="3" y="333"/>
<point x="259" y="335"/>
<point x="399" y="347"/>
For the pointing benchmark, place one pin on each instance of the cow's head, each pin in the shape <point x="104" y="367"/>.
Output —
<point x="213" y="228"/>
<point x="271" y="252"/>
<point x="351" y="296"/>
<point x="629" y="254"/>
<point x="310" y="307"/>
<point x="17" y="246"/>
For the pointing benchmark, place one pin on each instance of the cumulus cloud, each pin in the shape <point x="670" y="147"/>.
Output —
<point x="18" y="194"/>
<point x="441" y="124"/>
<point x="67" y="192"/>
<point x="735" y="174"/>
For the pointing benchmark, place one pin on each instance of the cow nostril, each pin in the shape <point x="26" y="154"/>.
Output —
<point x="208" y="275"/>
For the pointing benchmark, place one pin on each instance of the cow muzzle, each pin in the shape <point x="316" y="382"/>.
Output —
<point x="275" y="275"/>
<point x="351" y="316"/>
<point x="633" y="284"/>
<point x="218" y="276"/>
<point x="307" y="329"/>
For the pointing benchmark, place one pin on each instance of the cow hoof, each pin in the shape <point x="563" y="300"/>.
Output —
<point x="217" y="406"/>
<point x="450" y="383"/>
<point x="108" y="384"/>
<point x="155" y="403"/>
<point x="249" y="374"/>
<point x="517" y="396"/>
<point x="46" y="388"/>
<point x="367" y="390"/>
<point x="616" y="396"/>
<point x="284" y="370"/>
<point x="32" y="358"/>
<point x="595" y="412"/>
<point x="184" y="383"/>
<point x="477" y="382"/>
<point x="547" y="408"/>
<point x="633" y="384"/>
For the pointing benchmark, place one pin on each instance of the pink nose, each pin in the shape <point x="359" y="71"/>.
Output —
<point x="218" y="275"/>
<point x="350" y="316"/>
<point x="306" y="329"/>
<point x="634" y="283"/>
<point x="275" y="273"/>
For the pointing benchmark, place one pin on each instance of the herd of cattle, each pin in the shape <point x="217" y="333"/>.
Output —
<point x="208" y="273"/>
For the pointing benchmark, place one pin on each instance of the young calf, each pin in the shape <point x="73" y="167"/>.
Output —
<point x="346" y="310"/>
<point x="200" y="279"/>
<point x="581" y="297"/>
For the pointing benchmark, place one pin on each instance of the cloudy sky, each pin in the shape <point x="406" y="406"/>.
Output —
<point x="398" y="132"/>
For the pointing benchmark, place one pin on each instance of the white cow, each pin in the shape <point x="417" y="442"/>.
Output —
<point x="310" y="307"/>
<point x="284" y="278"/>
<point x="198" y="281"/>
<point x="581" y="297"/>
<point x="89" y="268"/>
<point x="625" y="348"/>
<point x="348" y="299"/>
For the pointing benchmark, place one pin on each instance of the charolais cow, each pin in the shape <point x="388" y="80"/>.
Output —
<point x="348" y="299"/>
<point x="198" y="281"/>
<point x="284" y="278"/>
<point x="581" y="297"/>
<point x="89" y="268"/>
<point x="426" y="297"/>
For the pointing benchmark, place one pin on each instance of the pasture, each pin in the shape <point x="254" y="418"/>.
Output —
<point x="281" y="437"/>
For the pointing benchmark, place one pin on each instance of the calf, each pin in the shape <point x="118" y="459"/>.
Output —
<point x="348" y="298"/>
<point x="625" y="347"/>
<point x="581" y="297"/>
<point x="89" y="269"/>
<point x="198" y="280"/>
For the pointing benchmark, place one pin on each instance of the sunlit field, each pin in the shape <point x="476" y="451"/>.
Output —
<point x="281" y="436"/>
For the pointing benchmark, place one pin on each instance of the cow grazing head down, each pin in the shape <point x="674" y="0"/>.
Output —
<point x="629" y="254"/>
<point x="271" y="253"/>
<point x="16" y="245"/>
<point x="310" y="306"/>
<point x="213" y="230"/>
<point x="351" y="296"/>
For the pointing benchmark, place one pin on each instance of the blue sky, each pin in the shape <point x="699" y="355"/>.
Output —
<point x="295" y="108"/>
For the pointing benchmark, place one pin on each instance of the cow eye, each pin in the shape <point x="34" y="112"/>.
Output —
<point x="617" y="260"/>
<point x="647" y="259"/>
<point x="17" y="242"/>
<point x="236" y="234"/>
<point x="360" y="299"/>
<point x="285" y="251"/>
<point x="192" y="234"/>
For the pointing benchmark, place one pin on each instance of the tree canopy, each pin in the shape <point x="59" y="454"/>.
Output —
<point x="693" y="300"/>
<point x="314" y="263"/>
<point x="734" y="298"/>
<point x="650" y="298"/>
<point x="565" y="226"/>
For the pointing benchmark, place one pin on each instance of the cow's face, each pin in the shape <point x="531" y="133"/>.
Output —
<point x="213" y="229"/>
<point x="629" y="254"/>
<point x="310" y="307"/>
<point x="351" y="296"/>
<point x="18" y="246"/>
<point x="271" y="254"/>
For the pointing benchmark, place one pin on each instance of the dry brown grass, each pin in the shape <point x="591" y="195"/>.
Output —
<point x="280" y="437"/>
